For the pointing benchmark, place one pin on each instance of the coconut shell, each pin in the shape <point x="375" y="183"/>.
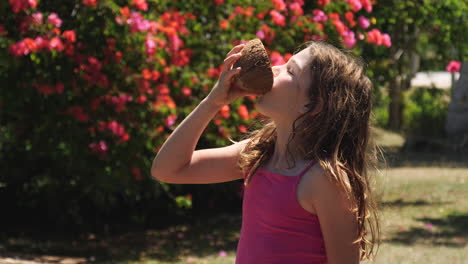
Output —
<point x="256" y="75"/>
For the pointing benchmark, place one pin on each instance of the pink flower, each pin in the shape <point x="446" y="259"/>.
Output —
<point x="222" y="253"/>
<point x="296" y="8"/>
<point x="175" y="43"/>
<point x="54" y="20"/>
<point x="137" y="23"/>
<point x="348" y="39"/>
<point x="170" y="120"/>
<point x="355" y="5"/>
<point x="41" y="43"/>
<point x="429" y="226"/>
<point x="278" y="18"/>
<point x="386" y="40"/>
<point x="37" y="18"/>
<point x="260" y="34"/>
<point x="19" y="49"/>
<point x="363" y="22"/>
<point x="150" y="46"/>
<point x="219" y="2"/>
<point x="279" y="5"/>
<point x="99" y="147"/>
<point x="319" y="16"/>
<point x="453" y="66"/>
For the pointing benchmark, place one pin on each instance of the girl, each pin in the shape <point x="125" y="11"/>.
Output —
<point x="316" y="210"/>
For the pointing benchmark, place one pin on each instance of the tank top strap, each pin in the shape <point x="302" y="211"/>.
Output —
<point x="307" y="168"/>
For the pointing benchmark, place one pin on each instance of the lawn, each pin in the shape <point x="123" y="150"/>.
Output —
<point x="424" y="219"/>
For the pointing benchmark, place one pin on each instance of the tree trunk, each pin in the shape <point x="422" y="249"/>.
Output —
<point x="395" y="106"/>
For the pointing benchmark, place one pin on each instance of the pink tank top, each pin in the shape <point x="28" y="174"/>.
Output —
<point x="275" y="227"/>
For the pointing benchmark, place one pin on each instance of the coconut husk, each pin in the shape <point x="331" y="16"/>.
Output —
<point x="256" y="75"/>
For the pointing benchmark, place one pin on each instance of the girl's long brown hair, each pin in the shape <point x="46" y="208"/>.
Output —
<point x="338" y="137"/>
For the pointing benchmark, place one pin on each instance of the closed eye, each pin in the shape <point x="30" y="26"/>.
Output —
<point x="290" y="72"/>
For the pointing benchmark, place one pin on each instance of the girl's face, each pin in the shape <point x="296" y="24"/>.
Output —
<point x="286" y="100"/>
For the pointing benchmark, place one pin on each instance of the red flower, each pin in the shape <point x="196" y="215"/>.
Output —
<point x="276" y="58"/>
<point x="141" y="99"/>
<point x="243" y="112"/>
<point x="219" y="2"/>
<point x="242" y="128"/>
<point x="19" y="5"/>
<point x="323" y="3"/>
<point x="90" y="3"/>
<point x="374" y="36"/>
<point x="279" y="5"/>
<point x="224" y="111"/>
<point x="350" y="18"/>
<point x="262" y="14"/>
<point x="78" y="113"/>
<point x="140" y="4"/>
<point x="224" y="24"/>
<point x="213" y="73"/>
<point x="45" y="89"/>
<point x="125" y="12"/>
<point x="56" y="43"/>
<point x="186" y="91"/>
<point x="2" y="31"/>
<point x="136" y="174"/>
<point x="69" y="35"/>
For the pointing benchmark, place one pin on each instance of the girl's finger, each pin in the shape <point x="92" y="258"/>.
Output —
<point x="231" y="73"/>
<point x="235" y="49"/>
<point x="229" y="61"/>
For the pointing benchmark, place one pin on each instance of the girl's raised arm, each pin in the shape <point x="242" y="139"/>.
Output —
<point x="176" y="161"/>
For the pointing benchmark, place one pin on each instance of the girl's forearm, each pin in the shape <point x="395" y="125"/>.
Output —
<point x="177" y="150"/>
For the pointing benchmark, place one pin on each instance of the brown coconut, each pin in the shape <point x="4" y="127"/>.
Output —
<point x="256" y="75"/>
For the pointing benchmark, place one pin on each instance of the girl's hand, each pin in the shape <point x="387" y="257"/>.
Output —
<point x="224" y="91"/>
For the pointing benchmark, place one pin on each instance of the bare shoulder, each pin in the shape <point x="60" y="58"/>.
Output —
<point x="337" y="220"/>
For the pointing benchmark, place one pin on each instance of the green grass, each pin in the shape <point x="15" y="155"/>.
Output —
<point x="424" y="218"/>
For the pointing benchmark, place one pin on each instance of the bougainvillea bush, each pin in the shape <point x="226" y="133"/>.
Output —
<point x="90" y="89"/>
